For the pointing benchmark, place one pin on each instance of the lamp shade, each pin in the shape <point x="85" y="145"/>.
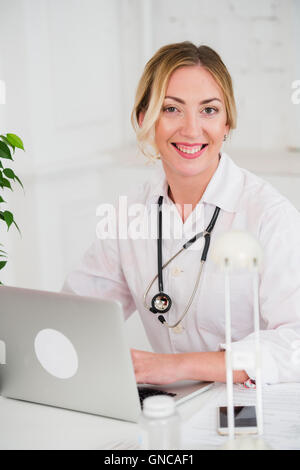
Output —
<point x="237" y="249"/>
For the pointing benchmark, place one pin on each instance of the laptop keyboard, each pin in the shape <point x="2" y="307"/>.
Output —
<point x="145" y="392"/>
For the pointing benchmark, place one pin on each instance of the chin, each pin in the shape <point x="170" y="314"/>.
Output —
<point x="189" y="168"/>
<point x="190" y="172"/>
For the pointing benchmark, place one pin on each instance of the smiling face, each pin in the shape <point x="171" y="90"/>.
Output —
<point x="191" y="127"/>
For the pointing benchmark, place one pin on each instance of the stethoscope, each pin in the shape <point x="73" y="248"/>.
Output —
<point x="161" y="302"/>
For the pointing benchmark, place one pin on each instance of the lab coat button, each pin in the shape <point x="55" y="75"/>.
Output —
<point x="176" y="271"/>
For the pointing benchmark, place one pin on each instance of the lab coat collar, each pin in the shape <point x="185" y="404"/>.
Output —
<point x="224" y="189"/>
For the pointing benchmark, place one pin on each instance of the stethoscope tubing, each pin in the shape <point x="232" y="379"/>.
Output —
<point x="206" y="234"/>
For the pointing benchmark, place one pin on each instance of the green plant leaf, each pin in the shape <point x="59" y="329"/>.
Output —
<point x="10" y="174"/>
<point x="4" y="151"/>
<point x="4" y="183"/>
<point x="2" y="264"/>
<point x="15" y="223"/>
<point x="13" y="139"/>
<point x="20" y="182"/>
<point x="5" y="139"/>
<point x="1" y="199"/>
<point x="9" y="218"/>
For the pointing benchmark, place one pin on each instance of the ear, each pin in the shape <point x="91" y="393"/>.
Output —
<point x="141" y="118"/>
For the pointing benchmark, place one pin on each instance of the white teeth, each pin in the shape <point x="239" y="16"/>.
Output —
<point x="191" y="151"/>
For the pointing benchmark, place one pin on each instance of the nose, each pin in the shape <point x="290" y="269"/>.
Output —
<point x="191" y="127"/>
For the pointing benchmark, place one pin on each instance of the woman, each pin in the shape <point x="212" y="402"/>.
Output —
<point x="183" y="112"/>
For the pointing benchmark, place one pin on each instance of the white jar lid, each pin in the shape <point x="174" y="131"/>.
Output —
<point x="158" y="406"/>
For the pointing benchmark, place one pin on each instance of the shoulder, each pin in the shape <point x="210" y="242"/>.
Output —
<point x="261" y="196"/>
<point x="266" y="207"/>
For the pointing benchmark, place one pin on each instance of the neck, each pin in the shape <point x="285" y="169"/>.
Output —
<point x="187" y="191"/>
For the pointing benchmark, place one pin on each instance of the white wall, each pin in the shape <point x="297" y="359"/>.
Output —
<point x="256" y="42"/>
<point x="294" y="110"/>
<point x="71" y="68"/>
<point x="65" y="66"/>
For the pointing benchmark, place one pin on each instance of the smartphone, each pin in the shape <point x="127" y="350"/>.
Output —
<point x="245" y="421"/>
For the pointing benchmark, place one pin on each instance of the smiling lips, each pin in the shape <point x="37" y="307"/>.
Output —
<point x="189" y="151"/>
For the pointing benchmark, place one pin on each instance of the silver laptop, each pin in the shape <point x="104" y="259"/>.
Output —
<point x="71" y="352"/>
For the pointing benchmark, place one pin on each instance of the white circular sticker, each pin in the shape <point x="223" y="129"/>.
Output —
<point x="56" y="353"/>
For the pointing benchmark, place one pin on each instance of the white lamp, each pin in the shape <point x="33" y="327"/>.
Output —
<point x="233" y="250"/>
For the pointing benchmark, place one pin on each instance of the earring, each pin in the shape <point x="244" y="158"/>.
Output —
<point x="225" y="137"/>
<point x="152" y="159"/>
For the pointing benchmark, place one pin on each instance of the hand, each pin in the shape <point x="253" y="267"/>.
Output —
<point x="154" y="368"/>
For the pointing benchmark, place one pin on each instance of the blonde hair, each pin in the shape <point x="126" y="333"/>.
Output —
<point x="152" y="86"/>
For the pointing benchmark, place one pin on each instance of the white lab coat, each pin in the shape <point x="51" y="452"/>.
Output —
<point x="123" y="268"/>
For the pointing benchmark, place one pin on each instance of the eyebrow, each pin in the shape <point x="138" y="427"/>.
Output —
<point x="208" y="100"/>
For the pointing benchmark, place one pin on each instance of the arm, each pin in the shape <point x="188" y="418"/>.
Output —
<point x="279" y="297"/>
<point x="100" y="274"/>
<point x="209" y="366"/>
<point x="167" y="368"/>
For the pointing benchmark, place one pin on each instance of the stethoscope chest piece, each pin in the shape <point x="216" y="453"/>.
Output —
<point x="161" y="303"/>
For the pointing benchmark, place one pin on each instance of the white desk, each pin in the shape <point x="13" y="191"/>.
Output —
<point x="31" y="426"/>
<point x="26" y="425"/>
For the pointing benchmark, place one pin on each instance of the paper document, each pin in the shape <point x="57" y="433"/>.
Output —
<point x="281" y="417"/>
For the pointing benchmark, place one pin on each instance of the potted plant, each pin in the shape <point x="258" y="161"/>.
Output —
<point x="8" y="144"/>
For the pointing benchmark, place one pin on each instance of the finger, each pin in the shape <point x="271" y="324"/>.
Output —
<point x="134" y="354"/>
